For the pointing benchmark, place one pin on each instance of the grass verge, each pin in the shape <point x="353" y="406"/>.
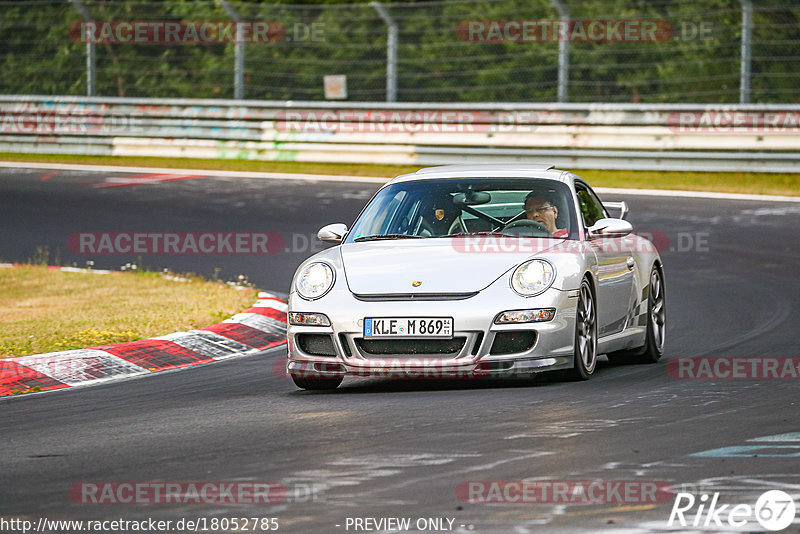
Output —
<point x="726" y="182"/>
<point x="346" y="169"/>
<point x="44" y="310"/>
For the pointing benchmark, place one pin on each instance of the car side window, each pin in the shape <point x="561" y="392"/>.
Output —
<point x="591" y="207"/>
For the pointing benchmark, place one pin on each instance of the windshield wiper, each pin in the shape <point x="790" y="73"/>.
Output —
<point x="379" y="237"/>
<point x="497" y="234"/>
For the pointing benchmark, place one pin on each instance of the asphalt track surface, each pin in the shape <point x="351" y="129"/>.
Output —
<point x="381" y="448"/>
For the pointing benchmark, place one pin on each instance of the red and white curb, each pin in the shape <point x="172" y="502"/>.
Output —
<point x="258" y="328"/>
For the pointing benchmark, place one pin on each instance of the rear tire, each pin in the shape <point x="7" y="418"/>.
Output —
<point x="585" y="352"/>
<point x="653" y="347"/>
<point x="315" y="383"/>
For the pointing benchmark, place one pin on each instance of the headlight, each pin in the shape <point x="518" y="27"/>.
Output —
<point x="525" y="316"/>
<point x="314" y="280"/>
<point x="533" y="277"/>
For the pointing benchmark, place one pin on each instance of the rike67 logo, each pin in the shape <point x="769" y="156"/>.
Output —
<point x="774" y="510"/>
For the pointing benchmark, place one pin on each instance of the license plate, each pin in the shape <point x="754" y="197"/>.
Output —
<point x="441" y="327"/>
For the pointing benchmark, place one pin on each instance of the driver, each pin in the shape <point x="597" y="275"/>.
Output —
<point x="540" y="208"/>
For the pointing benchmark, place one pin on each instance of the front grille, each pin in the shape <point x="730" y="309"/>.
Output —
<point x="513" y="341"/>
<point x="316" y="344"/>
<point x="390" y="347"/>
<point x="415" y="296"/>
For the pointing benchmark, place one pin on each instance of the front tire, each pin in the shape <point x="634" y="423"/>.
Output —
<point x="653" y="346"/>
<point x="316" y="383"/>
<point x="585" y="352"/>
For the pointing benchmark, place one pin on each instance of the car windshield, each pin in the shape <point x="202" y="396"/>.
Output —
<point x="517" y="207"/>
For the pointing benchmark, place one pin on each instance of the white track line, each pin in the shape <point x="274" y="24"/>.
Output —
<point x="370" y="179"/>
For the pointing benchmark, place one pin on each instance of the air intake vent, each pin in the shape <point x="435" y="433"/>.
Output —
<point x="411" y="347"/>
<point x="511" y="342"/>
<point x="345" y="345"/>
<point x="477" y="345"/>
<point x="316" y="344"/>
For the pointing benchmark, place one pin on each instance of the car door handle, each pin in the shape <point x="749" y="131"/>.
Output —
<point x="630" y="262"/>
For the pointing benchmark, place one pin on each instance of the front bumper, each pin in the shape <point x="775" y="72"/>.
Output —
<point x="487" y="349"/>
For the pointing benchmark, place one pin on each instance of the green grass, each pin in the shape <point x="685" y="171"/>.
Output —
<point x="725" y="182"/>
<point x="43" y="310"/>
<point x="728" y="182"/>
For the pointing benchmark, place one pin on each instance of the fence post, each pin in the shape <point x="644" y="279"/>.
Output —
<point x="747" y="37"/>
<point x="391" y="51"/>
<point x="563" y="51"/>
<point x="91" y="63"/>
<point x="238" y="59"/>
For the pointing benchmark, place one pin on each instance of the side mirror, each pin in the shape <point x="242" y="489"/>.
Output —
<point x="610" y="228"/>
<point x="622" y="206"/>
<point x="332" y="233"/>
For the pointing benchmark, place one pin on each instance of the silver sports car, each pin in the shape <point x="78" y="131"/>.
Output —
<point x="468" y="271"/>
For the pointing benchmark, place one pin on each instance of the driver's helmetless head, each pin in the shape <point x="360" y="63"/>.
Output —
<point x="539" y="208"/>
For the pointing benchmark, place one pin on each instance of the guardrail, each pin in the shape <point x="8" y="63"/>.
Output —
<point x="764" y="138"/>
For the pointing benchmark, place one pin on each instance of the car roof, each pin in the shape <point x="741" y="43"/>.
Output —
<point x="487" y="170"/>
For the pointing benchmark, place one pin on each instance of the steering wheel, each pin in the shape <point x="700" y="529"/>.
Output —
<point x="524" y="224"/>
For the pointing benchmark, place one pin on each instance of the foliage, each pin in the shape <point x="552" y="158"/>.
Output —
<point x="698" y="62"/>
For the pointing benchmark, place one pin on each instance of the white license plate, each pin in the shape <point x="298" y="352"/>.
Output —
<point x="408" y="327"/>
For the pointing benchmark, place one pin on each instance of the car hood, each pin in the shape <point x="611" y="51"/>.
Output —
<point x="446" y="265"/>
